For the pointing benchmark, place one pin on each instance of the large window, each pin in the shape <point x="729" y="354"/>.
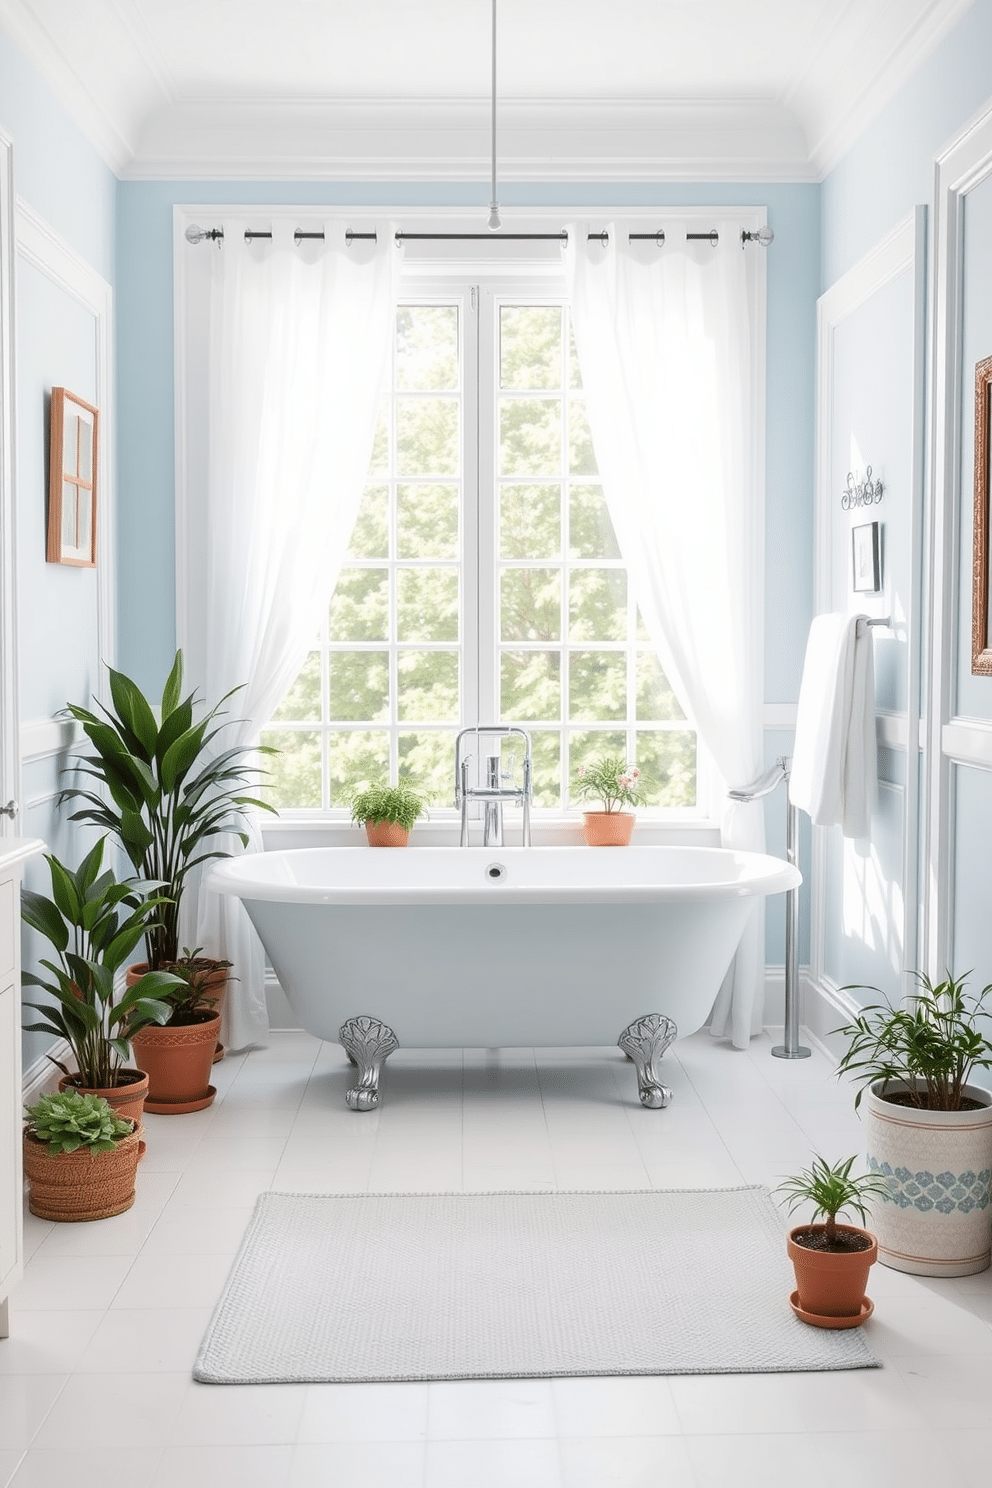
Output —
<point x="483" y="582"/>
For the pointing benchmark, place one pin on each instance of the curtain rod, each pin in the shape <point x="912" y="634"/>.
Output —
<point x="762" y="235"/>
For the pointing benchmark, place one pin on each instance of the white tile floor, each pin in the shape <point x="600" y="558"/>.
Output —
<point x="106" y="1322"/>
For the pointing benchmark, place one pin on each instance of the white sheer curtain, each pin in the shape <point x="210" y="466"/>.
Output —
<point x="299" y="343"/>
<point x="664" y="346"/>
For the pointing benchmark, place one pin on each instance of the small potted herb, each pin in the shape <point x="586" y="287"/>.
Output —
<point x="615" y="783"/>
<point x="928" y="1127"/>
<point x="80" y="1159"/>
<point x="387" y="812"/>
<point x="831" y="1260"/>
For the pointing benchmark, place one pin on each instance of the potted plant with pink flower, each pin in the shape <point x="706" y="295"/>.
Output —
<point x="616" y="783"/>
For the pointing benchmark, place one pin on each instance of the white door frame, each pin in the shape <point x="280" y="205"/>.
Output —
<point x="10" y="784"/>
<point x="952" y="740"/>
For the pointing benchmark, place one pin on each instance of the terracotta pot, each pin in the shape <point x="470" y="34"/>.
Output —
<point x="178" y="1060"/>
<point x="938" y="1167"/>
<point x="607" y="828"/>
<point x="213" y="986"/>
<point x="831" y="1284"/>
<point x="386" y="834"/>
<point x="81" y="1185"/>
<point x="126" y="1098"/>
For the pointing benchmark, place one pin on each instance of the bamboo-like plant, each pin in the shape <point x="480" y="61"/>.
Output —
<point x="168" y="789"/>
<point x="94" y="923"/>
<point x="929" y="1049"/>
<point x="832" y="1190"/>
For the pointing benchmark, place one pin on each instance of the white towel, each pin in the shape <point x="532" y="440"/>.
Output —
<point x="834" y="762"/>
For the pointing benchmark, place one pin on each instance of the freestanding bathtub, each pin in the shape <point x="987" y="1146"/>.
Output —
<point x="495" y="947"/>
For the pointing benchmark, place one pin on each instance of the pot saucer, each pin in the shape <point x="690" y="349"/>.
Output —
<point x="816" y="1321"/>
<point x="181" y="1107"/>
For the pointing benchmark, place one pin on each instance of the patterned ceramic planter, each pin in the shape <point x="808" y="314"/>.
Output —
<point x="938" y="1165"/>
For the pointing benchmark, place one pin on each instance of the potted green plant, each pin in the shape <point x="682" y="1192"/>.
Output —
<point x="928" y="1128"/>
<point x="178" y="1054"/>
<point x="94" y="923"/>
<point x="165" y="789"/>
<point x="831" y="1260"/>
<point x="388" y="813"/>
<point x="80" y="1158"/>
<point x="614" y="782"/>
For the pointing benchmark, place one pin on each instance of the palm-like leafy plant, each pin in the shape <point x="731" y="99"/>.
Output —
<point x="94" y="924"/>
<point x="931" y="1048"/>
<point x="832" y="1190"/>
<point x="168" y="789"/>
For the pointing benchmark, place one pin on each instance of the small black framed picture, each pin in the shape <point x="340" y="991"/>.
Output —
<point x="866" y="552"/>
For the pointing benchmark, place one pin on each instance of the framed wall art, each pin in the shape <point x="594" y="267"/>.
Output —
<point x="72" y="489"/>
<point x="866" y="553"/>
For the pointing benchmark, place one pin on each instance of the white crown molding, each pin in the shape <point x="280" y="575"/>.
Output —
<point x="449" y="141"/>
<point x="87" y="106"/>
<point x="849" y="101"/>
<point x="106" y="66"/>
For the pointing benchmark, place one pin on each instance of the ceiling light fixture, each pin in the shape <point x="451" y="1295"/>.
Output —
<point x="494" y="222"/>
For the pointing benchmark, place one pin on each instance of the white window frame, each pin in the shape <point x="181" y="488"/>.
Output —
<point x="532" y="267"/>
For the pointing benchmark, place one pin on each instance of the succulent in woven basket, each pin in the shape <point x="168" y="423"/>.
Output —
<point x="68" y="1120"/>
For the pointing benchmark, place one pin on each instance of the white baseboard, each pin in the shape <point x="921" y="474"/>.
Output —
<point x="822" y="1009"/>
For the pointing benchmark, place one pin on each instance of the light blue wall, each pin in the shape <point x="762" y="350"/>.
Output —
<point x="59" y="175"/>
<point x="57" y="605"/>
<point x="869" y="417"/>
<point x="56" y="170"/>
<point x="888" y="172"/>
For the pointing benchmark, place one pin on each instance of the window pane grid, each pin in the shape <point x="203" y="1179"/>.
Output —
<point x="591" y="665"/>
<point x="571" y="661"/>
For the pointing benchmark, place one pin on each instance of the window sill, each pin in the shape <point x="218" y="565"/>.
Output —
<point x="556" y="831"/>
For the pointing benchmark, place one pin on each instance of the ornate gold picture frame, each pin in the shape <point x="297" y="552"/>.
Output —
<point x="72" y="492"/>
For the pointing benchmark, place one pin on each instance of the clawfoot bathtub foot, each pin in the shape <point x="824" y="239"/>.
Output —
<point x="367" y="1043"/>
<point x="645" y="1041"/>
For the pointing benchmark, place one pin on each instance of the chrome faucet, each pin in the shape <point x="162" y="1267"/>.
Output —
<point x="499" y="786"/>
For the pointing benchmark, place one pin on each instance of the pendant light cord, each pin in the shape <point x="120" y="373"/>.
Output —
<point x="494" y="222"/>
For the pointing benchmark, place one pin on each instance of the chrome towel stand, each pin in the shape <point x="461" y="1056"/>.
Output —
<point x="763" y="786"/>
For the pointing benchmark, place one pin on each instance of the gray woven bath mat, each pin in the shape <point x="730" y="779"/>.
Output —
<point x="365" y="1287"/>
